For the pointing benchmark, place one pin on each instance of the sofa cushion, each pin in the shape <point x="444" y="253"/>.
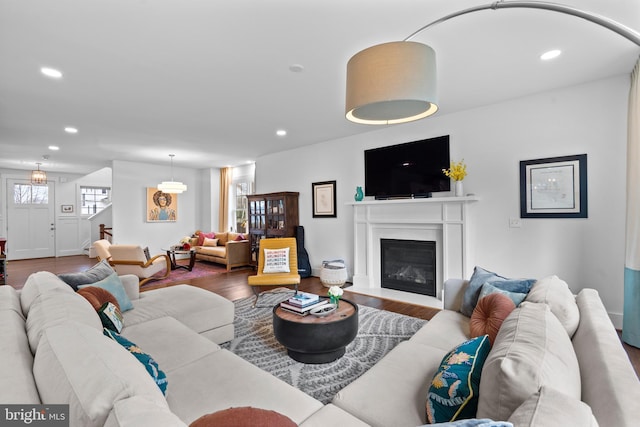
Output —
<point x="276" y="261"/>
<point x="114" y="286"/>
<point x="488" y="289"/>
<point x="79" y="366"/>
<point x="489" y="314"/>
<point x="37" y="283"/>
<point x="531" y="350"/>
<point x="202" y="236"/>
<point x="445" y="330"/>
<point x="481" y="276"/>
<point x="98" y="296"/>
<point x="151" y="366"/>
<point x="331" y="415"/>
<point x="137" y="411"/>
<point x="111" y="317"/>
<point x="223" y="238"/>
<point x="453" y="393"/>
<point x="245" y="416"/>
<point x="549" y="407"/>
<point x="556" y="294"/>
<point x="96" y="273"/>
<point x="54" y="308"/>
<point x="216" y="251"/>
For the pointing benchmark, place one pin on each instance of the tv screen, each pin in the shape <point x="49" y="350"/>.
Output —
<point x="413" y="169"/>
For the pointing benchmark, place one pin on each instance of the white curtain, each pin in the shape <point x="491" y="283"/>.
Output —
<point x="631" y="315"/>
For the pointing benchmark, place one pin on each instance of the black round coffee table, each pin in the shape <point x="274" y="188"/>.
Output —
<point x="311" y="339"/>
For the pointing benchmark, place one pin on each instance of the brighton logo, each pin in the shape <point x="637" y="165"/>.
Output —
<point x="34" y="415"/>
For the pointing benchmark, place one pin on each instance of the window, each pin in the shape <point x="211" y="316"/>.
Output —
<point x="241" y="189"/>
<point x="24" y="194"/>
<point x="94" y="199"/>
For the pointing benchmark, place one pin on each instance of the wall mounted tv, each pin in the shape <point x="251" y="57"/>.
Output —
<point x="412" y="169"/>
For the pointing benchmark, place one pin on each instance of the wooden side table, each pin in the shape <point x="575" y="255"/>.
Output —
<point x="311" y="339"/>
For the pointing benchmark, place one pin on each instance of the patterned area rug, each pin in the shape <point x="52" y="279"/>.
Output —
<point x="378" y="332"/>
<point x="200" y="269"/>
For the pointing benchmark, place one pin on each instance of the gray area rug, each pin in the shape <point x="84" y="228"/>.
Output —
<point x="378" y="332"/>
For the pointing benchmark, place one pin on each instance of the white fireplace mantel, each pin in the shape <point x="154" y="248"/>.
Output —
<point x="445" y="220"/>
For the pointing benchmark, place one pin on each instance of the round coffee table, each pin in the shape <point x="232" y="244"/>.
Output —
<point x="311" y="339"/>
<point x="171" y="253"/>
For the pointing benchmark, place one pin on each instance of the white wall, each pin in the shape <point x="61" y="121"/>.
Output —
<point x="589" y="119"/>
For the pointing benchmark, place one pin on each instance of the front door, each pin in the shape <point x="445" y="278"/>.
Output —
<point x="30" y="220"/>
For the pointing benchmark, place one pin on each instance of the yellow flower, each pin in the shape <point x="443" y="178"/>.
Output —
<point x="457" y="171"/>
<point x="438" y="381"/>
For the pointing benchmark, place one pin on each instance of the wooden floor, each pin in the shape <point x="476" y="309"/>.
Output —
<point x="233" y="286"/>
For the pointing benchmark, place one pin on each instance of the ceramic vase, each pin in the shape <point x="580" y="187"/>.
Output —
<point x="359" y="194"/>
<point x="458" y="189"/>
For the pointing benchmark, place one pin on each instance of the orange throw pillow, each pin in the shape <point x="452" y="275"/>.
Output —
<point x="489" y="314"/>
<point x="244" y="417"/>
<point x="98" y="296"/>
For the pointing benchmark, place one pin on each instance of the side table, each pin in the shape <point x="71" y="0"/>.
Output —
<point x="172" y="257"/>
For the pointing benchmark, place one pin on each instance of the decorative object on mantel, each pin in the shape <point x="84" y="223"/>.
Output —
<point x="335" y="292"/>
<point x="38" y="177"/>
<point x="172" y="187"/>
<point x="359" y="194"/>
<point x="457" y="171"/>
<point x="333" y="273"/>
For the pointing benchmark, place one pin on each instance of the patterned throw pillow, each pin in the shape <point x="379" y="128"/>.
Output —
<point x="111" y="317"/>
<point x="147" y="361"/>
<point x="453" y="393"/>
<point x="276" y="261"/>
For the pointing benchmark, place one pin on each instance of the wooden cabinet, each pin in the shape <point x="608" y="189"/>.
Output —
<point x="271" y="215"/>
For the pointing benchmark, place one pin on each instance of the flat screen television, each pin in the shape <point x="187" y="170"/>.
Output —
<point x="412" y="169"/>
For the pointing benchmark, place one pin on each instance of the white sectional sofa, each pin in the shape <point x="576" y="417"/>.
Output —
<point x="53" y="351"/>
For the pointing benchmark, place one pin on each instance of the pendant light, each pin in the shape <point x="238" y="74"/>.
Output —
<point x="38" y="177"/>
<point x="172" y="187"/>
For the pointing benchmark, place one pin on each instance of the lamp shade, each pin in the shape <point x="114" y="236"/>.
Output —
<point x="391" y="83"/>
<point x="172" y="187"/>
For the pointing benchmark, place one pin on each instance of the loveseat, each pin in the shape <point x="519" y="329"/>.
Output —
<point x="53" y="351"/>
<point x="228" y="248"/>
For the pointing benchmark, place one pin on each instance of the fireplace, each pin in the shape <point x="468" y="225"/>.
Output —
<point x="408" y="265"/>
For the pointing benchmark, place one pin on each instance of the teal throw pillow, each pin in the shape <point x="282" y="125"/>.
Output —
<point x="453" y="393"/>
<point x="147" y="361"/>
<point x="113" y="284"/>
<point x="111" y="317"/>
<point x="488" y="289"/>
<point x="96" y="273"/>
<point x="481" y="276"/>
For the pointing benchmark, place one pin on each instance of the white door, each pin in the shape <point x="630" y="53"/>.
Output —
<point x="30" y="220"/>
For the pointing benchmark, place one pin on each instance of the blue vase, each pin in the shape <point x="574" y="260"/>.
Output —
<point x="359" y="194"/>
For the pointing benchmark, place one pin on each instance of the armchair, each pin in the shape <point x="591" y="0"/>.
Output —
<point x="279" y="278"/>
<point x="131" y="259"/>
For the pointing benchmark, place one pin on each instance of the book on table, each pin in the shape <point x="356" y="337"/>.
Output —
<point x="300" y="310"/>
<point x="303" y="299"/>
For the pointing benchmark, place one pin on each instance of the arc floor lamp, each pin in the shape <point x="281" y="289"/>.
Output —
<point x="396" y="82"/>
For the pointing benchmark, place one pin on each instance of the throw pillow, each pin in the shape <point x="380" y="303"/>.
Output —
<point x="113" y="284"/>
<point x="556" y="294"/>
<point x="489" y="314"/>
<point x="98" y="296"/>
<point x="453" y="393"/>
<point x="147" y="255"/>
<point x="244" y="417"/>
<point x="209" y="242"/>
<point x="202" y="236"/>
<point x="550" y="407"/>
<point x="239" y="238"/>
<point x="488" y="289"/>
<point x="147" y="361"/>
<point x="481" y="276"/>
<point x="111" y="317"/>
<point x="92" y="275"/>
<point x="276" y="261"/>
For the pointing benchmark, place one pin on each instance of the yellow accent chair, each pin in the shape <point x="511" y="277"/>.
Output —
<point x="292" y="278"/>
<point x="131" y="259"/>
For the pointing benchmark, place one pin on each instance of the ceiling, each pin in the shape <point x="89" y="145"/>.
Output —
<point x="211" y="81"/>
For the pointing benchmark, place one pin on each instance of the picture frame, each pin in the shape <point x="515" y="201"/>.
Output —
<point x="324" y="199"/>
<point x="66" y="208"/>
<point x="161" y="207"/>
<point x="554" y="187"/>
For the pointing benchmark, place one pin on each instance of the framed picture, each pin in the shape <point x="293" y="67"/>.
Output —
<point x="161" y="207"/>
<point x="324" y="199"/>
<point x="66" y="208"/>
<point x="555" y="187"/>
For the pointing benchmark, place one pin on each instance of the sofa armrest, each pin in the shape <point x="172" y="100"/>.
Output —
<point x="131" y="285"/>
<point x="238" y="252"/>
<point x="453" y="293"/>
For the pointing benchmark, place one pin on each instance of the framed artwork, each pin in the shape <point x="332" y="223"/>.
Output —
<point x="554" y="187"/>
<point x="66" y="208"/>
<point x="161" y="207"/>
<point x="324" y="199"/>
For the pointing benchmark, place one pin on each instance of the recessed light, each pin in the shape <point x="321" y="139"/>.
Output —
<point x="296" y="68"/>
<point x="70" y="130"/>
<point x="54" y="147"/>
<point x="281" y="132"/>
<point x="51" y="72"/>
<point x="550" y="54"/>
